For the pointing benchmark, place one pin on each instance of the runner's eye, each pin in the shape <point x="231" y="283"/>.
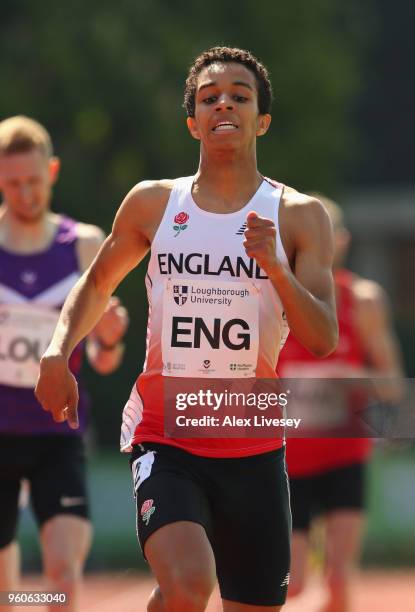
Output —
<point x="238" y="98"/>
<point x="210" y="100"/>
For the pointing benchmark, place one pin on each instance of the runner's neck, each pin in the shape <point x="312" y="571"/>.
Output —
<point x="25" y="238"/>
<point x="225" y="190"/>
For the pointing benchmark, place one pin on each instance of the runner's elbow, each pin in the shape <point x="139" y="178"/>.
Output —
<point x="99" y="282"/>
<point x="327" y="343"/>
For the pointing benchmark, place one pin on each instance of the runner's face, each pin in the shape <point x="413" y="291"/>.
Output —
<point x="226" y="108"/>
<point x="26" y="181"/>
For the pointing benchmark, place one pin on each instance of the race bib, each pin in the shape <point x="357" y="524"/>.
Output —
<point x="25" y="332"/>
<point x="210" y="329"/>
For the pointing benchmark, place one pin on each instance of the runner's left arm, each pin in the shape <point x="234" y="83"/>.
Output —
<point x="307" y="292"/>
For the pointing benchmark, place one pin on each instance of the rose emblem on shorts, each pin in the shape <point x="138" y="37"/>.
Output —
<point x="180" y="222"/>
<point x="147" y="509"/>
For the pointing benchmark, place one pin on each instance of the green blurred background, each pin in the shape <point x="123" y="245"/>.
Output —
<point x="107" y="80"/>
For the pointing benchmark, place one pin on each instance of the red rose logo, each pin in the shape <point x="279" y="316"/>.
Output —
<point x="181" y="218"/>
<point x="180" y="221"/>
<point x="146" y="506"/>
<point x="147" y="510"/>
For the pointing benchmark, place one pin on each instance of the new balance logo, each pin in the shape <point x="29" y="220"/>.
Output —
<point x="286" y="580"/>
<point x="241" y="230"/>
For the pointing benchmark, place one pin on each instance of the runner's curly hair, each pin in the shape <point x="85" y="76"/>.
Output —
<point x="222" y="55"/>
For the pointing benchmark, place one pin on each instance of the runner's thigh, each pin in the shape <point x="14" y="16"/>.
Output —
<point x="59" y="481"/>
<point x="167" y="489"/>
<point x="252" y="523"/>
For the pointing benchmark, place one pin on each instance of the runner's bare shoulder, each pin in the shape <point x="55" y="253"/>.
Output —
<point x="368" y="290"/>
<point x="90" y="233"/>
<point x="90" y="238"/>
<point x="144" y="206"/>
<point x="298" y="204"/>
<point x="302" y="218"/>
<point x="371" y="299"/>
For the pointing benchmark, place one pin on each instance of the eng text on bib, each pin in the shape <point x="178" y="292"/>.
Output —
<point x="210" y="329"/>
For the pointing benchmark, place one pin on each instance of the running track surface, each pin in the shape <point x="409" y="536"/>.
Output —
<point x="374" y="591"/>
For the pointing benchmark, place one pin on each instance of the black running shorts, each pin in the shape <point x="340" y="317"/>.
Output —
<point x="54" y="466"/>
<point x="338" y="489"/>
<point x="242" y="503"/>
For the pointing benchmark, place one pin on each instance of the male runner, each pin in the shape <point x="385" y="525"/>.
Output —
<point x="208" y="507"/>
<point x="327" y="474"/>
<point x="41" y="257"/>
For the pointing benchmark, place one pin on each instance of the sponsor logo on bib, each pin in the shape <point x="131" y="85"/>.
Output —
<point x="180" y="294"/>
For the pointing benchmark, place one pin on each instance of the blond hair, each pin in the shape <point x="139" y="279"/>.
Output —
<point x="21" y="134"/>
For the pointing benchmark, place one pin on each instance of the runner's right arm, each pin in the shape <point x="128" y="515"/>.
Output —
<point x="134" y="227"/>
<point x="104" y="346"/>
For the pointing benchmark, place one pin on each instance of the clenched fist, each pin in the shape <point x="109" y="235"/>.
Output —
<point x="260" y="241"/>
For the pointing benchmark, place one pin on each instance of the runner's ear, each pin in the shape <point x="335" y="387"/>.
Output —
<point x="192" y="126"/>
<point x="54" y="167"/>
<point x="264" y="121"/>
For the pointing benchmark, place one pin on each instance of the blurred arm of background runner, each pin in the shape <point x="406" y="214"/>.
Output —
<point x="104" y="346"/>
<point x="372" y="319"/>
<point x="125" y="247"/>
<point x="383" y="355"/>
